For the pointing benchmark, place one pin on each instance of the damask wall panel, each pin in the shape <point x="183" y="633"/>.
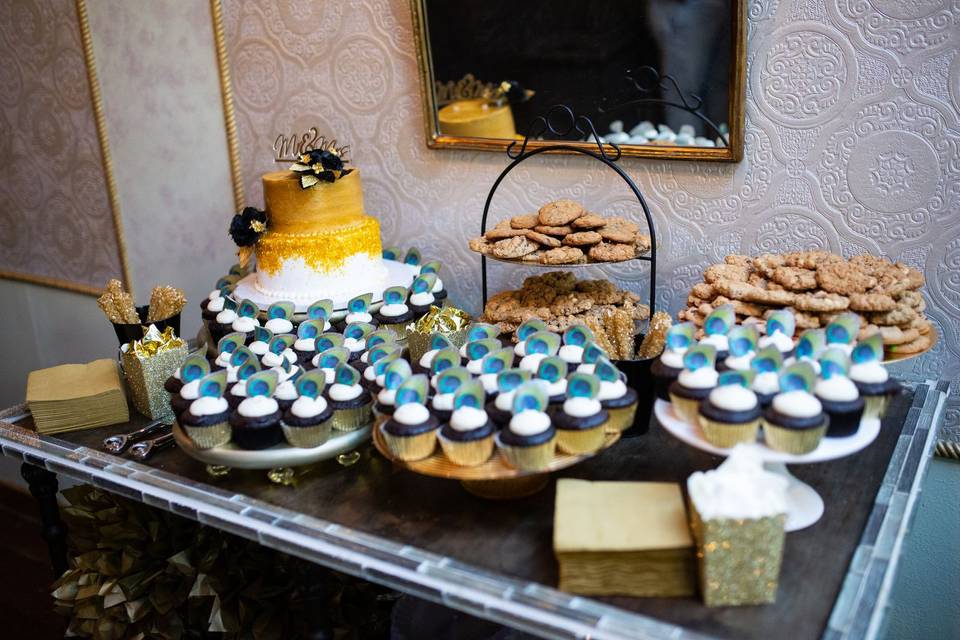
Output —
<point x="58" y="227"/>
<point x="852" y="143"/>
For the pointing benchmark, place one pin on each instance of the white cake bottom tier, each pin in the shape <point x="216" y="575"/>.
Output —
<point x="298" y="282"/>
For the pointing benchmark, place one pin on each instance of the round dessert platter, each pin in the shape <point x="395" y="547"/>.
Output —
<point x="566" y="265"/>
<point x="804" y="504"/>
<point x="889" y="356"/>
<point x="494" y="479"/>
<point x="277" y="457"/>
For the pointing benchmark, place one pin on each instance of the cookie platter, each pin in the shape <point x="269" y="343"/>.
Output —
<point x="585" y="263"/>
<point x="494" y="479"/>
<point x="278" y="456"/>
<point x="892" y="356"/>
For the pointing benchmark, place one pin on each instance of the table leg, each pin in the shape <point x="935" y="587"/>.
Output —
<point x="316" y="603"/>
<point x="43" y="486"/>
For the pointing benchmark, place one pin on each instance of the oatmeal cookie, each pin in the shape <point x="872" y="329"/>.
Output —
<point x="612" y="252"/>
<point x="901" y="314"/>
<point x="912" y="298"/>
<point x="501" y="233"/>
<point x="795" y="278"/>
<point x="767" y="263"/>
<point x="512" y="248"/>
<point x="545" y="240"/>
<point x="896" y="335"/>
<point x="810" y="259"/>
<point x="820" y="302"/>
<point x="703" y="290"/>
<point x="738" y="260"/>
<point x="641" y="243"/>
<point x="874" y="302"/>
<point x="748" y="293"/>
<point x="582" y="239"/>
<point x="562" y="255"/>
<point x="589" y="221"/>
<point x="526" y="221"/>
<point x="558" y="231"/>
<point x="922" y="343"/>
<point x="533" y="257"/>
<point x="922" y="325"/>
<point x="560" y="212"/>
<point x="717" y="272"/>
<point x="740" y="307"/>
<point x="480" y="245"/>
<point x="870" y="264"/>
<point x="841" y="278"/>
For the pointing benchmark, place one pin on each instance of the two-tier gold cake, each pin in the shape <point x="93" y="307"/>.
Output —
<point x="319" y="242"/>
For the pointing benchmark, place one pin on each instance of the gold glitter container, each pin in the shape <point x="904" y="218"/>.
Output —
<point x="738" y="561"/>
<point x="147" y="363"/>
<point x="453" y="323"/>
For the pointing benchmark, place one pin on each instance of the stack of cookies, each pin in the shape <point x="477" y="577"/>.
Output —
<point x="817" y="285"/>
<point x="563" y="232"/>
<point x="560" y="300"/>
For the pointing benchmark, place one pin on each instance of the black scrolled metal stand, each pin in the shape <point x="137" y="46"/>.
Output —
<point x="580" y="126"/>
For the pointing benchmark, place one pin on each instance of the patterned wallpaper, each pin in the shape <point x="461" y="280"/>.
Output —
<point x="54" y="209"/>
<point x="852" y="144"/>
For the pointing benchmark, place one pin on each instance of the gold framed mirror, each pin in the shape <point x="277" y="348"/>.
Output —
<point x="661" y="78"/>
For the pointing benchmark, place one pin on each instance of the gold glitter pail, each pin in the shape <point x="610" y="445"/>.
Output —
<point x="410" y="448"/>
<point x="307" y="437"/>
<point x="738" y="560"/>
<point x="208" y="437"/>
<point x="447" y="320"/>
<point x="352" y="419"/>
<point x="726" y="434"/>
<point x="467" y="453"/>
<point x="794" y="441"/>
<point x="146" y="370"/>
<point x="581" y="441"/>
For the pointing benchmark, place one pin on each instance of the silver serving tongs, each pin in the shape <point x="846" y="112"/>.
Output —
<point x="145" y="449"/>
<point x="119" y="443"/>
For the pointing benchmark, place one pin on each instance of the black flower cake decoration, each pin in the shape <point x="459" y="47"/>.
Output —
<point x="320" y="165"/>
<point x="246" y="228"/>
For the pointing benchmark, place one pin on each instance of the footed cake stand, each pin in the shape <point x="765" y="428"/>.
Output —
<point x="804" y="504"/>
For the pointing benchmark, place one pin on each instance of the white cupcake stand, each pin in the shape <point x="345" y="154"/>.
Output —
<point x="804" y="504"/>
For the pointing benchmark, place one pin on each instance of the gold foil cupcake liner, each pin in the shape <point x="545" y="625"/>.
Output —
<point x="687" y="409"/>
<point x="410" y="448"/>
<point x="307" y="437"/>
<point x="622" y="418"/>
<point x="726" y="435"/>
<point x="352" y="419"/>
<point x="535" y="458"/>
<point x="467" y="453"/>
<point x="215" y="435"/>
<point x="579" y="441"/>
<point x="794" y="441"/>
<point x="875" y="406"/>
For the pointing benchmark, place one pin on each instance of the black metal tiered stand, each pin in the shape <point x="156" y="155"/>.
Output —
<point x="561" y="122"/>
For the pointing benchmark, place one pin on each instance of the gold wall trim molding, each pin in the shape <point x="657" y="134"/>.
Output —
<point x="226" y="93"/>
<point x="96" y="99"/>
<point x="56" y="283"/>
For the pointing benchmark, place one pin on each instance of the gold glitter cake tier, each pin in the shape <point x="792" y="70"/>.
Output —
<point x="321" y="250"/>
<point x="324" y="207"/>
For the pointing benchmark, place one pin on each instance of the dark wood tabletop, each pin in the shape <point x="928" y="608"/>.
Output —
<point x="514" y="537"/>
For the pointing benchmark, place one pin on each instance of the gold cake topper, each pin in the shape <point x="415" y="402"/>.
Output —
<point x="291" y="148"/>
<point x="469" y="87"/>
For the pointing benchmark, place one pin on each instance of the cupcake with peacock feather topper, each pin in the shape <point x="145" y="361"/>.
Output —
<point x="479" y="331"/>
<point x="742" y="343"/>
<point x="871" y="377"/>
<point x="552" y="374"/>
<point x="529" y="440"/>
<point x="794" y="422"/>
<point x="358" y="310"/>
<point x="592" y="352"/>
<point x="394" y="314"/>
<point x="411" y="432"/>
<point x="838" y="394"/>
<point x="540" y="345"/>
<point x="467" y="437"/>
<point x="207" y="420"/>
<point x="256" y="421"/>
<point x="616" y="397"/>
<point x="321" y="310"/>
<point x="421" y="294"/>
<point x="225" y="348"/>
<point x="280" y="317"/>
<point x="328" y="360"/>
<point x="695" y="382"/>
<point x="394" y="375"/>
<point x="186" y="377"/>
<point x="237" y="392"/>
<point x="730" y="414"/>
<point x="766" y="381"/>
<point x="355" y="339"/>
<point x="445" y="359"/>
<point x="246" y="320"/>
<point x="352" y="404"/>
<point x="306" y="423"/>
<point x="524" y="331"/>
<point x="380" y="337"/>
<point x="500" y="409"/>
<point x="448" y="383"/>
<point x="811" y="344"/>
<point x="222" y="323"/>
<point x="716" y="326"/>
<point x="437" y="343"/>
<point x="279" y="349"/>
<point x="667" y="367"/>
<point x="305" y="346"/>
<point x="842" y="332"/>
<point x="490" y="367"/>
<point x="781" y="326"/>
<point x="261" y="341"/>
<point x="477" y="351"/>
<point x="575" y="338"/>
<point x="438" y="290"/>
<point x="379" y="358"/>
<point x="580" y="419"/>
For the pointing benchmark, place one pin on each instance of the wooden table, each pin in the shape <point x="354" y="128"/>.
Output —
<point x="430" y="538"/>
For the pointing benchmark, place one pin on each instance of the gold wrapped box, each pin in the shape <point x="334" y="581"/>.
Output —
<point x="147" y="363"/>
<point x="449" y="321"/>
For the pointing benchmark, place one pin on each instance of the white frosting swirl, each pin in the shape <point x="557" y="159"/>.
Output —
<point x="245" y="324"/>
<point x="353" y="345"/>
<point x="190" y="390"/>
<point x="412" y="413"/>
<point x="232" y="374"/>
<point x="422" y="299"/>
<point x="475" y="366"/>
<point x="286" y="390"/>
<point x="239" y="390"/>
<point x="520" y="349"/>
<point x="468" y="419"/>
<point x="213" y="295"/>
<point x="427" y="358"/>
<point x="718" y="340"/>
<point x="358" y="316"/>
<point x="344" y="392"/>
<point x="778" y="339"/>
<point x="307" y="407"/>
<point x="387" y="397"/>
<point x="557" y="388"/>
<point x="271" y="359"/>
<point x="766" y="383"/>
<point x="305" y="344"/>
<point x="279" y="325"/>
<point x="837" y="389"/>
<point x="504" y="401"/>
<point x="215" y="305"/>
<point x="529" y="422"/>
<point x="733" y="397"/>
<point x="672" y="358"/>
<point x="797" y="404"/>
<point x="489" y="382"/>
<point x="208" y="406"/>
<point x="571" y="353"/>
<point x="531" y="362"/>
<point x="329" y="375"/>
<point x="370" y="374"/>
<point x="740" y="363"/>
<point x="813" y="363"/>
<point x="443" y="402"/>
<point x="869" y="372"/>
<point x="223" y="359"/>
<point x="257" y="406"/>
<point x="702" y="378"/>
<point x="393" y="310"/>
<point x="581" y="407"/>
<point x="227" y="316"/>
<point x="611" y="390"/>
<point x="259" y="347"/>
<point x="437" y="286"/>
<point x="740" y="488"/>
<point x="589" y="368"/>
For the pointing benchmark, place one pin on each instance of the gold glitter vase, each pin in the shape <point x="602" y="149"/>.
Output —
<point x="450" y="321"/>
<point x="738" y="560"/>
<point x="147" y="364"/>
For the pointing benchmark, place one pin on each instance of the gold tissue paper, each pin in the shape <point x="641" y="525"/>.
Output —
<point x="450" y="321"/>
<point x="147" y="363"/>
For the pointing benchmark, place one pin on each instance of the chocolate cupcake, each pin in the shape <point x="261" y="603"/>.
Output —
<point x="352" y="404"/>
<point x="246" y="319"/>
<point x="575" y="338"/>
<point x="306" y="422"/>
<point x="580" y="420"/>
<point x="280" y="317"/>
<point x="794" y="422"/>
<point x="766" y="381"/>
<point x="355" y="339"/>
<point x="286" y="392"/>
<point x="394" y="314"/>
<point x="279" y="350"/>
<point x="411" y="432"/>
<point x="305" y="346"/>
<point x="439" y="292"/>
<point x="358" y="311"/>
<point x="615" y="396"/>
<point x="438" y="342"/>
<point x="781" y="326"/>
<point x="477" y="351"/>
<point x="524" y="331"/>
<point x="490" y="367"/>
<point x="540" y="345"/>
<point x="731" y="413"/>
<point x="529" y="440"/>
<point x="479" y="331"/>
<point x="225" y="348"/>
<point x="237" y="384"/>
<point x="222" y="323"/>
<point x="742" y="343"/>
<point x="379" y="338"/>
<point x="694" y="383"/>
<point x="500" y="408"/>
<point x="328" y="360"/>
<point x="190" y="372"/>
<point x="467" y="439"/>
<point x="207" y="420"/>
<point x="261" y="341"/>
<point x="838" y="394"/>
<point x="321" y="311"/>
<point x="667" y="367"/>
<point x="873" y="381"/>
<point x="716" y="326"/>
<point x="256" y="420"/>
<point x="212" y="305"/>
<point x="811" y="344"/>
<point x="393" y="376"/>
<point x="379" y="357"/>
<point x="421" y="295"/>
<point x="448" y="383"/>
<point x="552" y="375"/>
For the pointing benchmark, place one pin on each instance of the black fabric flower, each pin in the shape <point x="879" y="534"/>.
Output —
<point x="319" y="165"/>
<point x="247" y="226"/>
<point x="513" y="92"/>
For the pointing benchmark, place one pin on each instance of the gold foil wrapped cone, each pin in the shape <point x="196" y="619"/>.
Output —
<point x="450" y="321"/>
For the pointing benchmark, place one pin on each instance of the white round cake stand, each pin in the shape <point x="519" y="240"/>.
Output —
<point x="398" y="275"/>
<point x="804" y="504"/>
<point x="279" y="456"/>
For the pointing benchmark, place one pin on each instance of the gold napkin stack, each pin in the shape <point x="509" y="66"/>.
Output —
<point x="71" y="397"/>
<point x="623" y="538"/>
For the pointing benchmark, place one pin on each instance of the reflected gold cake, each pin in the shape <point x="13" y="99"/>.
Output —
<point x="319" y="241"/>
<point x="477" y="118"/>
